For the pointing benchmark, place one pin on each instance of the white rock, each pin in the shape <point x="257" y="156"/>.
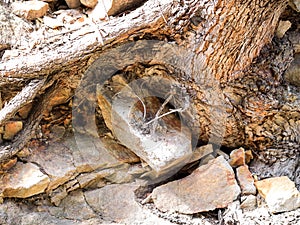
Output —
<point x="100" y="10"/>
<point x="280" y="193"/>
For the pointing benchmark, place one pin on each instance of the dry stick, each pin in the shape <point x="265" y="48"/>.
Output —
<point x="21" y="99"/>
<point x="19" y="141"/>
<point x="158" y="116"/>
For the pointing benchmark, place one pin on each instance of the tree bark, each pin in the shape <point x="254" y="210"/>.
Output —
<point x="221" y="37"/>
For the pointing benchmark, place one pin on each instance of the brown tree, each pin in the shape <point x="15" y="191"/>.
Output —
<point x="227" y="43"/>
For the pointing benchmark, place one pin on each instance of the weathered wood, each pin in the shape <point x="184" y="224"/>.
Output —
<point x="25" y="96"/>
<point x="223" y="37"/>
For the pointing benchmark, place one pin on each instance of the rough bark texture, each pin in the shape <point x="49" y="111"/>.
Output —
<point x="223" y="37"/>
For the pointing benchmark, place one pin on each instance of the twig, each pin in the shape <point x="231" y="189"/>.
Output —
<point x="158" y="116"/>
<point x="162" y="13"/>
<point x="144" y="106"/>
<point x="165" y="114"/>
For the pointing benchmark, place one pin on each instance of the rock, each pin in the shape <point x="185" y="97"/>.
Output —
<point x="57" y="132"/>
<point x="72" y="4"/>
<point x="280" y="194"/>
<point x="61" y="96"/>
<point x="120" y="152"/>
<point x="294" y="37"/>
<point x="221" y="153"/>
<point x="103" y="201"/>
<point x="58" y="195"/>
<point x="279" y="168"/>
<point x="30" y="214"/>
<point x="90" y="180"/>
<point x="24" y="111"/>
<point x="30" y="10"/>
<point x="107" y="8"/>
<point x="117" y="203"/>
<point x="73" y="207"/>
<point x="8" y="165"/>
<point x="100" y="11"/>
<point x="206" y="159"/>
<point x="163" y="143"/>
<point x="57" y="161"/>
<point x="292" y="75"/>
<point x="248" y="202"/>
<point x="237" y="157"/>
<point x="283" y="26"/>
<point x="209" y="187"/>
<point x="166" y="148"/>
<point x="248" y="156"/>
<point x="119" y="6"/>
<point x="23" y="181"/>
<point x="295" y="4"/>
<point x="11" y="129"/>
<point x="245" y="180"/>
<point x="89" y="3"/>
<point x="201" y="152"/>
<point x="24" y="153"/>
<point x="89" y="153"/>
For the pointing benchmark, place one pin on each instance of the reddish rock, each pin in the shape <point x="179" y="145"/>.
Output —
<point x="245" y="180"/>
<point x="280" y="193"/>
<point x="30" y="9"/>
<point x="237" y="157"/>
<point x="209" y="187"/>
<point x="11" y="129"/>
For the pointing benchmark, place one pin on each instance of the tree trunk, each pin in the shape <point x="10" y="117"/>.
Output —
<point x="213" y="49"/>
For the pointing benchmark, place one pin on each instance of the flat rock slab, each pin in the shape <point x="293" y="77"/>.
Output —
<point x="73" y="207"/>
<point x="209" y="187"/>
<point x="23" y="181"/>
<point x="57" y="162"/>
<point x="280" y="193"/>
<point x="117" y="203"/>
